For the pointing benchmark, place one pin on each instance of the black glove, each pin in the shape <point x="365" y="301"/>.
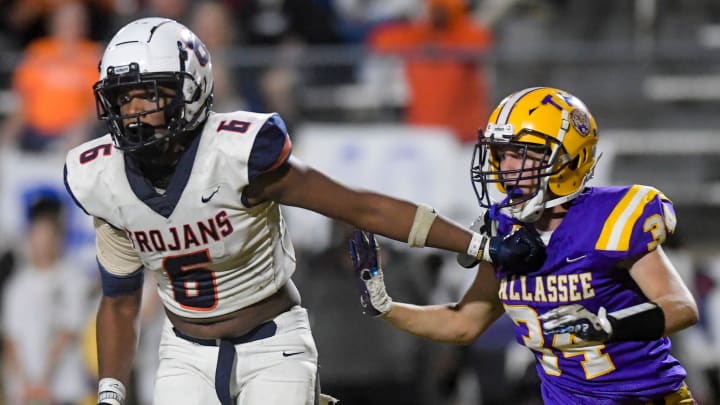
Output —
<point x="520" y="252"/>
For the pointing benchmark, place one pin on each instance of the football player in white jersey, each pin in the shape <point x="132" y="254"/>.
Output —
<point x="193" y="196"/>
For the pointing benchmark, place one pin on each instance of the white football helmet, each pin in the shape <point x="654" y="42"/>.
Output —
<point x="145" y="54"/>
<point x="548" y="121"/>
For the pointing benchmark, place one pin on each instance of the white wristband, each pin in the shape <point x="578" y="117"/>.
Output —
<point x="111" y="391"/>
<point x="424" y="217"/>
<point x="478" y="247"/>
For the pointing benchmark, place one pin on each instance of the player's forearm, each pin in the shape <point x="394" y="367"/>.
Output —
<point x="441" y="323"/>
<point x="679" y="312"/>
<point x="117" y="334"/>
<point x="394" y="218"/>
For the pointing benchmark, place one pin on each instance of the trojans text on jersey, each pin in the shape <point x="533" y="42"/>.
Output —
<point x="183" y="236"/>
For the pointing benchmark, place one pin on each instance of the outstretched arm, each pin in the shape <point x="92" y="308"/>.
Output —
<point x="459" y="323"/>
<point x="298" y="185"/>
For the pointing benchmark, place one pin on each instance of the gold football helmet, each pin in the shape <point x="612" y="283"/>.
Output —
<point x="552" y="124"/>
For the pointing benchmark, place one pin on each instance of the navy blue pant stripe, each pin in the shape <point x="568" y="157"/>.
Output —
<point x="224" y="371"/>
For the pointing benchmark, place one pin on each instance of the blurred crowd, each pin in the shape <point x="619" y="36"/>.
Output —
<point x="439" y="76"/>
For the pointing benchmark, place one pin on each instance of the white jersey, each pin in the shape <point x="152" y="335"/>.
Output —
<point x="211" y="253"/>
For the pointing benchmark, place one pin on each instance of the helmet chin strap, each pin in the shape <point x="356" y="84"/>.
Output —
<point x="532" y="209"/>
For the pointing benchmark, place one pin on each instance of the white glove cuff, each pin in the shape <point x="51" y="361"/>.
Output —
<point x="111" y="391"/>
<point x="379" y="297"/>
<point x="478" y="247"/>
<point x="604" y="322"/>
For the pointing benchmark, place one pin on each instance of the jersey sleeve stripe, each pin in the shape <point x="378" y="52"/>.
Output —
<point x="114" y="285"/>
<point x="618" y="228"/>
<point x="284" y="154"/>
<point x="620" y="207"/>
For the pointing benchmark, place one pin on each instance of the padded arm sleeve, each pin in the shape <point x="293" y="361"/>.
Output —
<point x="114" y="250"/>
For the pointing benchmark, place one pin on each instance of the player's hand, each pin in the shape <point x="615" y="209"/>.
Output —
<point x="520" y="252"/>
<point x="365" y="255"/>
<point x="579" y="321"/>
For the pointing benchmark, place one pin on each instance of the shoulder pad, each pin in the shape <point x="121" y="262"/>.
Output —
<point x="88" y="169"/>
<point x="639" y="221"/>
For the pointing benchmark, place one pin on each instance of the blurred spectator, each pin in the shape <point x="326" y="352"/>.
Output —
<point x="43" y="313"/>
<point x="447" y="81"/>
<point x="54" y="86"/>
<point x="152" y="318"/>
<point x="211" y="21"/>
<point x="7" y="265"/>
<point x="357" y="17"/>
<point x="696" y="347"/>
<point x="271" y="22"/>
<point x="701" y="345"/>
<point x="289" y="25"/>
<point x="176" y="9"/>
<point x="708" y="285"/>
<point x="27" y="20"/>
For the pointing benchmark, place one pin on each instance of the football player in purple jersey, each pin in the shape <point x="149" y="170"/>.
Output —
<point x="193" y="196"/>
<point x="597" y="313"/>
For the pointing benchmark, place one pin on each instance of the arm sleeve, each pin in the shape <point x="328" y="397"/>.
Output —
<point x="271" y="149"/>
<point x="114" y="250"/>
<point x="120" y="266"/>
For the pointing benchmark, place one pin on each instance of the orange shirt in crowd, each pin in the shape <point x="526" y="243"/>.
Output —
<point x="447" y="87"/>
<point x="54" y="84"/>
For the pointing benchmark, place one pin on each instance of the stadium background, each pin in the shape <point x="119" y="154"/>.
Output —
<point x="648" y="69"/>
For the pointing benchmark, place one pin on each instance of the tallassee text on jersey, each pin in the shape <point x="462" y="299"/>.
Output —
<point x="550" y="288"/>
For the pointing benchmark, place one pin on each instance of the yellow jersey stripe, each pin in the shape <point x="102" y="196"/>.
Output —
<point x="618" y="227"/>
<point x="620" y="207"/>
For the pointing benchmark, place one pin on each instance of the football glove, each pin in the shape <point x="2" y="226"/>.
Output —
<point x="365" y="255"/>
<point x="520" y="252"/>
<point x="579" y="321"/>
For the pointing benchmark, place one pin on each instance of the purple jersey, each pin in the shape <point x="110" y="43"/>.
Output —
<point x="588" y="256"/>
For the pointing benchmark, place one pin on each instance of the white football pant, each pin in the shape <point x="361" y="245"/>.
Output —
<point x="277" y="370"/>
